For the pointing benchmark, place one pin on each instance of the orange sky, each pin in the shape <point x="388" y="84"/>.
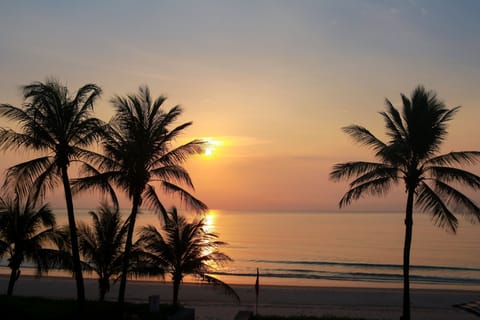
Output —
<point x="274" y="80"/>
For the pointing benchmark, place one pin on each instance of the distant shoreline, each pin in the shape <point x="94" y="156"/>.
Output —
<point x="236" y="280"/>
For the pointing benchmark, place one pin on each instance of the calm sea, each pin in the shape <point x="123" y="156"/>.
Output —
<point x="338" y="249"/>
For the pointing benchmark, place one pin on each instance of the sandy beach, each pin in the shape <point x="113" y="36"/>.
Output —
<point x="210" y="303"/>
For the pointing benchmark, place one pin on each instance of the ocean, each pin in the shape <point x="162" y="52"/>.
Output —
<point x="358" y="249"/>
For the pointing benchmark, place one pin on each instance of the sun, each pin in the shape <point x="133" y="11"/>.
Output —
<point x="211" y="146"/>
<point x="209" y="151"/>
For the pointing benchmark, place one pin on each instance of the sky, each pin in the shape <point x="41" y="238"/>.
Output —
<point x="273" y="82"/>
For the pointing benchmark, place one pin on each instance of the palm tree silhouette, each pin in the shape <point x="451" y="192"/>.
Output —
<point x="53" y="122"/>
<point x="139" y="154"/>
<point x="411" y="156"/>
<point x="25" y="230"/>
<point x="184" y="249"/>
<point x="101" y="245"/>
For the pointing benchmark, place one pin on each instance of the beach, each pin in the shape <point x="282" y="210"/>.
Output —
<point x="210" y="303"/>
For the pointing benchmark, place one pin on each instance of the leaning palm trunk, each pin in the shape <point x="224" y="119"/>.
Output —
<point x="128" y="249"/>
<point x="406" y="256"/>
<point x="14" y="274"/>
<point x="77" y="269"/>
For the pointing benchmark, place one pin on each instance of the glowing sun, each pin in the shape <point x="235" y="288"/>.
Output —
<point x="211" y="146"/>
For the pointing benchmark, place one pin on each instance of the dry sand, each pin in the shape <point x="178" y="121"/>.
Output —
<point x="211" y="303"/>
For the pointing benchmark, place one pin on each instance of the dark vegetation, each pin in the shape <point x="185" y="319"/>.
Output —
<point x="304" y="318"/>
<point x="25" y="308"/>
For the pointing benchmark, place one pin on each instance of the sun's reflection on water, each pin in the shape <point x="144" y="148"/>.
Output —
<point x="209" y="221"/>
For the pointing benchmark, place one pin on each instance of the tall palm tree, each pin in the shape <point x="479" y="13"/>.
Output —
<point x="25" y="232"/>
<point x="138" y="154"/>
<point x="412" y="156"/>
<point x="101" y="245"/>
<point x="185" y="248"/>
<point x="60" y="126"/>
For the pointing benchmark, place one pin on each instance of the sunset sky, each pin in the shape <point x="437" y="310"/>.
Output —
<point x="272" y="81"/>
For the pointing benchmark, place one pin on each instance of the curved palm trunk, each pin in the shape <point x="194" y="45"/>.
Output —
<point x="406" y="255"/>
<point x="14" y="275"/>
<point x="128" y="249"/>
<point x="77" y="268"/>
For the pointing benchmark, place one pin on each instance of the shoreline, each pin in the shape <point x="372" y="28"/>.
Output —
<point x="210" y="303"/>
<point x="270" y="281"/>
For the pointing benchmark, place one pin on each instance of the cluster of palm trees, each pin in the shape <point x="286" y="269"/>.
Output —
<point x="138" y="154"/>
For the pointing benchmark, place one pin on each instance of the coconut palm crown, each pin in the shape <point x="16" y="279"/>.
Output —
<point x="60" y="127"/>
<point x="25" y="233"/>
<point x="101" y="245"/>
<point x="139" y="155"/>
<point x="411" y="156"/>
<point x="185" y="248"/>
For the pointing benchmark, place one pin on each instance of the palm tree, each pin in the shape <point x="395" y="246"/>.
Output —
<point x="138" y="154"/>
<point x="59" y="125"/>
<point x="412" y="156"/>
<point x="185" y="249"/>
<point x="25" y="230"/>
<point x="101" y="245"/>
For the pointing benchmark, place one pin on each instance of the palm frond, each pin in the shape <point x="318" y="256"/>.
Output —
<point x="12" y="140"/>
<point x="88" y="131"/>
<point x="448" y="115"/>
<point x="37" y="174"/>
<point x="456" y="175"/>
<point x="354" y="169"/>
<point x="169" y="117"/>
<point x="156" y="108"/>
<point x="380" y="172"/>
<point x="185" y="197"/>
<point x="143" y="263"/>
<point x="150" y="235"/>
<point x="430" y="201"/>
<point x="179" y="154"/>
<point x="152" y="199"/>
<point x="94" y="180"/>
<point x="91" y="158"/>
<point x="172" y="134"/>
<point x="375" y="187"/>
<point x="13" y="113"/>
<point x="455" y="158"/>
<point x="86" y="97"/>
<point x="458" y="200"/>
<point x="393" y="123"/>
<point x="173" y="174"/>
<point x="364" y="137"/>
<point x="217" y="282"/>
<point x="47" y="259"/>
